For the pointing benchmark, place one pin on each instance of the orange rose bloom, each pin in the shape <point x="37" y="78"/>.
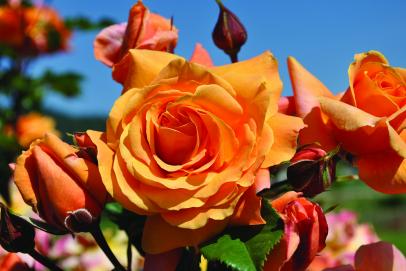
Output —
<point x="305" y="233"/>
<point x="33" y="126"/>
<point x="10" y="26"/>
<point x="368" y="120"/>
<point x="55" y="181"/>
<point x="45" y="30"/>
<point x="185" y="142"/>
<point x="33" y="30"/>
<point x="144" y="30"/>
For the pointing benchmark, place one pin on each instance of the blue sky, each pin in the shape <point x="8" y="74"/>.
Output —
<point x="322" y="35"/>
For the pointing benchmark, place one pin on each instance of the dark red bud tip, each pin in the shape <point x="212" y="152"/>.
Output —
<point x="312" y="171"/>
<point x="229" y="33"/>
<point x="309" y="153"/>
<point x="16" y="234"/>
<point x="79" y="221"/>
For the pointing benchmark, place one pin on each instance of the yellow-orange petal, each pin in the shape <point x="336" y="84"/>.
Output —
<point x="383" y="171"/>
<point x="353" y="126"/>
<point x="105" y="158"/>
<point x="285" y="133"/>
<point x="139" y="68"/>
<point x="306" y="88"/>
<point x="24" y="174"/>
<point x="359" y="60"/>
<point x="318" y="130"/>
<point x="247" y="81"/>
<point x="159" y="236"/>
<point x="201" y="56"/>
<point x="248" y="209"/>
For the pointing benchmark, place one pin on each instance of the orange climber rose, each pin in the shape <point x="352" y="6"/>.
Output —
<point x="33" y="126"/>
<point x="56" y="181"/>
<point x="184" y="143"/>
<point x="33" y="30"/>
<point x="368" y="120"/>
<point x="144" y="30"/>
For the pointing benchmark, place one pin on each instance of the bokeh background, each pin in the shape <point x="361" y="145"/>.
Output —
<point x="322" y="35"/>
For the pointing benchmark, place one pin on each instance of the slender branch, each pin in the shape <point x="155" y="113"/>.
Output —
<point x="101" y="241"/>
<point x="44" y="260"/>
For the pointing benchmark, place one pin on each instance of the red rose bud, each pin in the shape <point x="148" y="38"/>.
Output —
<point x="311" y="172"/>
<point x="16" y="234"/>
<point x="308" y="153"/>
<point x="229" y="34"/>
<point x="305" y="233"/>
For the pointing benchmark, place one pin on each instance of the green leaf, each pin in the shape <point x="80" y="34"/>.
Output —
<point x="67" y="83"/>
<point x="85" y="24"/>
<point x="263" y="242"/>
<point x="231" y="252"/>
<point x="246" y="247"/>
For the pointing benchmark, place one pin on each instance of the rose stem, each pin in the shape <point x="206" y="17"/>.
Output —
<point x="44" y="260"/>
<point x="233" y="56"/>
<point x="101" y="241"/>
<point x="129" y="255"/>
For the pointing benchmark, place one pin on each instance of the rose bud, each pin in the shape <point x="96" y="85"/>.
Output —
<point x="311" y="172"/>
<point x="229" y="33"/>
<point x="16" y="234"/>
<point x="305" y="233"/>
<point x="55" y="180"/>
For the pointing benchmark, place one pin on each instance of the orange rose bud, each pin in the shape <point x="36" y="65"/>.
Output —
<point x="305" y="234"/>
<point x="229" y="34"/>
<point x="55" y="180"/>
<point x="16" y="234"/>
<point x="311" y="172"/>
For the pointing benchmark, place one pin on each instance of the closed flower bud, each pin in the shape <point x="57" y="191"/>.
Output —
<point x="305" y="233"/>
<point x="56" y="180"/>
<point x="311" y="172"/>
<point x="16" y="234"/>
<point x="229" y="34"/>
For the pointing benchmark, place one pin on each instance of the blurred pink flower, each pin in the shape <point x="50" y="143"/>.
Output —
<point x="344" y="238"/>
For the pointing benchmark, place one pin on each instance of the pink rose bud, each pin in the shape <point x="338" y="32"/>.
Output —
<point x="229" y="34"/>
<point x="16" y="234"/>
<point x="311" y="172"/>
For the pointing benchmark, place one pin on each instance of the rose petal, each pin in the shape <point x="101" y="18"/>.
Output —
<point x="384" y="172"/>
<point x="108" y="42"/>
<point x="380" y="256"/>
<point x="140" y="67"/>
<point x="306" y="88"/>
<point x="159" y="236"/>
<point x="285" y="132"/>
<point x="201" y="56"/>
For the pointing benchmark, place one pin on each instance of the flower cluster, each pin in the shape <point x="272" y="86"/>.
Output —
<point x="186" y="165"/>
<point x="32" y="30"/>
